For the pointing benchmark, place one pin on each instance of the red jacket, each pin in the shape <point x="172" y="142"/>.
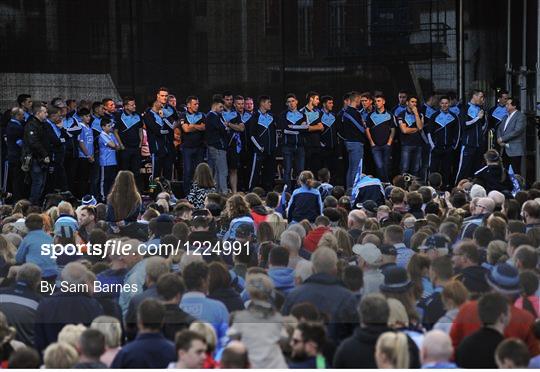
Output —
<point x="312" y="238"/>
<point x="520" y="326"/>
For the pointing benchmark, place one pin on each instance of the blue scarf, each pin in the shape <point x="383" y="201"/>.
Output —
<point x="473" y="110"/>
<point x="294" y="116"/>
<point x="380" y="118"/>
<point x="193" y="118"/>
<point x="500" y="112"/>
<point x="429" y="111"/>
<point x="265" y="119"/>
<point x="328" y="119"/>
<point x="229" y="115"/>
<point x="312" y="116"/>
<point x="444" y="118"/>
<point x="130" y="120"/>
<point x="410" y="119"/>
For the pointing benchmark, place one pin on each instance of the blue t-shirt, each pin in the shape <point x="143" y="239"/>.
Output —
<point x="86" y="137"/>
<point x="107" y="155"/>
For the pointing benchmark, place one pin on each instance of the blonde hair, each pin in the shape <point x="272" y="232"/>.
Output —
<point x="7" y="250"/>
<point x="207" y="331"/>
<point x="398" y="317"/>
<point x="70" y="334"/>
<point x="279" y="225"/>
<point x="344" y="242"/>
<point x="110" y="327"/>
<point x="328" y="240"/>
<point x="395" y="346"/>
<point x="65" y="208"/>
<point x="60" y="355"/>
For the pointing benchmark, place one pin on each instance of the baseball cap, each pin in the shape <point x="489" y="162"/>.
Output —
<point x="368" y="252"/>
<point x="370" y="206"/>
<point x="88" y="200"/>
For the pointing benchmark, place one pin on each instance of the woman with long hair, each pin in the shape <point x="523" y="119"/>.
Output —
<point x="392" y="351"/>
<point x="238" y="213"/>
<point x="203" y="184"/>
<point x="220" y="288"/>
<point x="305" y="202"/>
<point x="7" y="256"/>
<point x="124" y="201"/>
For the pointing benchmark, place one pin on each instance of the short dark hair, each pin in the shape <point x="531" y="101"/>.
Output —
<point x="105" y="100"/>
<point x="490" y="308"/>
<point x="227" y="93"/>
<point x="191" y="98"/>
<point x="483" y="236"/>
<point x="411" y="97"/>
<point x="313" y="331"/>
<point x="374" y="309"/>
<point x="435" y="180"/>
<point x="104" y="121"/>
<point x="272" y="199"/>
<point x="500" y="92"/>
<point x="127" y="99"/>
<point x="52" y="110"/>
<point x="92" y="343"/>
<point x="311" y="94"/>
<point x="24" y="357"/>
<point x="278" y="256"/>
<point x="22" y="97"/>
<point x="291" y="95"/>
<point x="476" y="91"/>
<point x="515" y="350"/>
<point x="380" y="95"/>
<point x="326" y="98"/>
<point x="194" y="274"/>
<point x="96" y="104"/>
<point x="183" y="339"/>
<point x="353" y="277"/>
<point x="217" y="101"/>
<point x="151" y="313"/>
<point x="238" y="98"/>
<point x="518" y="239"/>
<point x="169" y="286"/>
<point x="83" y="111"/>
<point x="442" y="267"/>
<point x="323" y="175"/>
<point x="263" y="98"/>
<point x="514" y="102"/>
<point x="34" y="221"/>
<point x="444" y="97"/>
<point x="162" y="89"/>
<point x="470" y="250"/>
<point x="306" y="311"/>
<point x="322" y="220"/>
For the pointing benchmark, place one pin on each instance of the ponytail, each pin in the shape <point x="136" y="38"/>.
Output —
<point x="395" y="346"/>
<point x="307" y="179"/>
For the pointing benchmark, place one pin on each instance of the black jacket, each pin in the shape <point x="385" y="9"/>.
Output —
<point x="175" y="320"/>
<point x="160" y="133"/>
<point x="216" y="133"/>
<point x="57" y="143"/>
<point x="478" y="349"/>
<point x="15" y="134"/>
<point x="358" y="351"/>
<point x="474" y="279"/>
<point x="19" y="304"/>
<point x="36" y="139"/>
<point x="491" y="178"/>
<point x="230" y="298"/>
<point x="263" y="134"/>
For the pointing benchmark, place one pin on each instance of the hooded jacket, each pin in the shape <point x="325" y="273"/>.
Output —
<point x="312" y="238"/>
<point x="283" y="278"/>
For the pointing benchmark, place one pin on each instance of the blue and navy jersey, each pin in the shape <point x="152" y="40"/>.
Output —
<point x="160" y="133"/>
<point x="495" y="116"/>
<point x="86" y="137"/>
<point x="399" y="109"/>
<point x="472" y="127"/>
<point x="73" y="128"/>
<point x="128" y="127"/>
<point x="365" y="113"/>
<point x="329" y="135"/>
<point x="305" y="204"/>
<point x="380" y="125"/>
<point x="112" y="117"/>
<point x="287" y="122"/>
<point x="443" y="130"/>
<point x="313" y="117"/>
<point x="107" y="155"/>
<point x="367" y="188"/>
<point x="96" y="123"/>
<point x="195" y="138"/>
<point x="238" y="140"/>
<point x="427" y="111"/>
<point x="263" y="133"/>
<point x="353" y="128"/>
<point x="216" y="134"/>
<point x="15" y="135"/>
<point x="27" y="116"/>
<point x="409" y="119"/>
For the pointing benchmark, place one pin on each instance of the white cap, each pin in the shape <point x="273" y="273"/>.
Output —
<point x="368" y="252"/>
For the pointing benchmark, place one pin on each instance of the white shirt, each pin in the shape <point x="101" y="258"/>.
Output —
<point x="508" y="120"/>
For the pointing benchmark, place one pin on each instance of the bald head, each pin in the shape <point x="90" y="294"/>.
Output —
<point x="235" y="356"/>
<point x="487" y="205"/>
<point x="357" y="219"/>
<point x="436" y="347"/>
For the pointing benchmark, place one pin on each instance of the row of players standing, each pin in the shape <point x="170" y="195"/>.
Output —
<point x="242" y="144"/>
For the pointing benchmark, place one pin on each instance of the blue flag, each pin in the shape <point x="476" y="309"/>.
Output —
<point x="515" y="183"/>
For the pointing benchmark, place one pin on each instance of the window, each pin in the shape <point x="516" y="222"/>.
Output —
<point x="305" y="25"/>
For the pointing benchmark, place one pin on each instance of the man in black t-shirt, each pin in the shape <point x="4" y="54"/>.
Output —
<point x="411" y="123"/>
<point x="381" y="129"/>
